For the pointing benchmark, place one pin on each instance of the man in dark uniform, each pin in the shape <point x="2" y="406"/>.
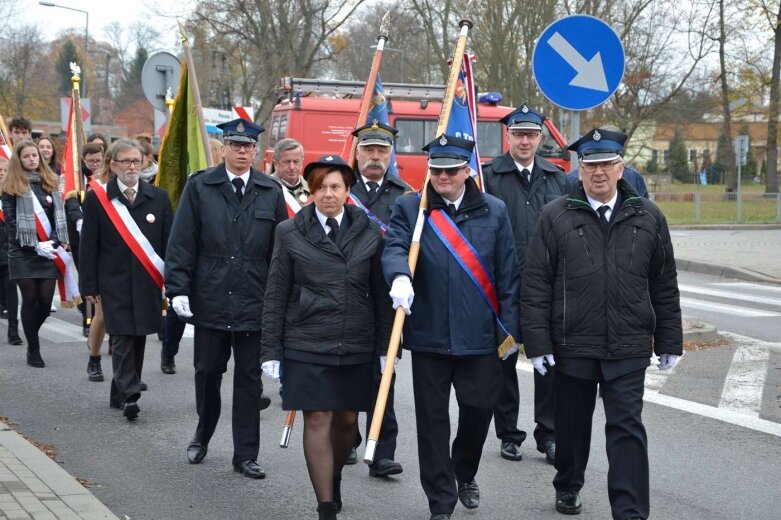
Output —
<point x="377" y="190"/>
<point x="219" y="253"/>
<point x="453" y="330"/>
<point x="600" y="293"/>
<point x="525" y="182"/>
<point x="118" y="270"/>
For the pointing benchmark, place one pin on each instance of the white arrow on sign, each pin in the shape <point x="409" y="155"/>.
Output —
<point x="590" y="73"/>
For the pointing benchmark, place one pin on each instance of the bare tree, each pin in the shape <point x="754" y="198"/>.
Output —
<point x="768" y="10"/>
<point x="22" y="49"/>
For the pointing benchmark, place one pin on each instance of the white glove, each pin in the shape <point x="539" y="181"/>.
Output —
<point x="402" y="293"/>
<point x="382" y="364"/>
<point x="78" y="225"/>
<point x="515" y="348"/>
<point x="45" y="249"/>
<point x="667" y="361"/>
<point x="538" y="364"/>
<point x="181" y="305"/>
<point x="271" y="369"/>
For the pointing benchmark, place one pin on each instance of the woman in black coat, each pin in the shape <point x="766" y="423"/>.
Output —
<point x="30" y="259"/>
<point x="327" y="313"/>
<point x="8" y="299"/>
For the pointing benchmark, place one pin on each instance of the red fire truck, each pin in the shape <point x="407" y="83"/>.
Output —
<point x="321" y="114"/>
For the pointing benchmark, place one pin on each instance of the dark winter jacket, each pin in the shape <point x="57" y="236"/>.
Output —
<point x="382" y="201"/>
<point x="587" y="293"/>
<point x="326" y="298"/>
<point x="219" y="250"/>
<point x="449" y="314"/>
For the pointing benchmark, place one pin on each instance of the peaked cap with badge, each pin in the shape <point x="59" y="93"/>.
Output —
<point x="599" y="145"/>
<point x="375" y="133"/>
<point x="523" y="118"/>
<point x="240" y="130"/>
<point x="448" y="151"/>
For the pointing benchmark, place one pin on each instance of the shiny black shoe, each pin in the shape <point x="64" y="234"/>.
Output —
<point x="196" y="452"/>
<point x="265" y="402"/>
<point x="469" y="494"/>
<point x="167" y="365"/>
<point x="131" y="410"/>
<point x="250" y="469"/>
<point x="568" y="502"/>
<point x="352" y="458"/>
<point x="549" y="449"/>
<point x="440" y="516"/>
<point x="384" y="468"/>
<point x="94" y="371"/>
<point x="511" y="451"/>
<point x="143" y="386"/>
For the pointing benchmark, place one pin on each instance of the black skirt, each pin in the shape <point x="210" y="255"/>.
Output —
<point x="313" y="387"/>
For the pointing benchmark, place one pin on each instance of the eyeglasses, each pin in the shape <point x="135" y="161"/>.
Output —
<point x="127" y="162"/>
<point x="94" y="161"/>
<point x="451" y="172"/>
<point x="238" y="146"/>
<point x="528" y="135"/>
<point x="593" y="167"/>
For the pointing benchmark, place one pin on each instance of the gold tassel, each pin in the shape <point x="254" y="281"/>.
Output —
<point x="505" y="346"/>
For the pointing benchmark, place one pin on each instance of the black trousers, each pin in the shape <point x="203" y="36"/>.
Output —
<point x="544" y="405"/>
<point x="173" y="330"/>
<point x="476" y="380"/>
<point x="627" y="445"/>
<point x="127" y="360"/>
<point x="212" y="352"/>
<point x="386" y="444"/>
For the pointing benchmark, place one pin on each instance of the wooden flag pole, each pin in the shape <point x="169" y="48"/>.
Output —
<point x="414" y="251"/>
<point x="197" y="95"/>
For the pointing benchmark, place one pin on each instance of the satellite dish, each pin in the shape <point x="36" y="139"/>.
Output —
<point x="160" y="72"/>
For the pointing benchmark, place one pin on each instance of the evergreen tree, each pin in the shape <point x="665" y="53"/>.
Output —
<point x="652" y="166"/>
<point x="131" y="82"/>
<point x="719" y="168"/>
<point x="679" y="157"/>
<point x="68" y="54"/>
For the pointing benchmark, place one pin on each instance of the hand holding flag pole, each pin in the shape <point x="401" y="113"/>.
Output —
<point x="414" y="250"/>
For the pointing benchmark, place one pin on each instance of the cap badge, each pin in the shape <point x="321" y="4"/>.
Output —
<point x="329" y="158"/>
<point x="375" y="124"/>
<point x="443" y="141"/>
<point x="240" y="127"/>
<point x="597" y="136"/>
<point x="525" y="109"/>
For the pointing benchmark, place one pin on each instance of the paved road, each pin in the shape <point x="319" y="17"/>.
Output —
<point x="708" y="460"/>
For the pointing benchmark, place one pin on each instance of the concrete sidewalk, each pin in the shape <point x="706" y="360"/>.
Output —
<point x="34" y="486"/>
<point x="746" y="254"/>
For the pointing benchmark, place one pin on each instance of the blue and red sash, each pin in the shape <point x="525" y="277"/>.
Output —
<point x="469" y="260"/>
<point x="352" y="199"/>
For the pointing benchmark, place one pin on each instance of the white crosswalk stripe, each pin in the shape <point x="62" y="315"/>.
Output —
<point x="733" y="310"/>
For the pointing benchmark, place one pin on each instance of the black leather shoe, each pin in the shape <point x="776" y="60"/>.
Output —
<point x="440" y="516"/>
<point x="131" y="410"/>
<point x="196" y="452"/>
<point x="511" y="451"/>
<point x="469" y="494"/>
<point x="384" y="468"/>
<point x="143" y="386"/>
<point x="549" y="449"/>
<point x="249" y="468"/>
<point x="352" y="458"/>
<point x="265" y="402"/>
<point x="167" y="364"/>
<point x="568" y="503"/>
<point x="34" y="359"/>
<point x="94" y="372"/>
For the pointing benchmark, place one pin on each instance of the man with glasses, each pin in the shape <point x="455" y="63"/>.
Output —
<point x="218" y="259"/>
<point x="525" y="182"/>
<point x="600" y="294"/>
<point x="116" y="270"/>
<point x="466" y="301"/>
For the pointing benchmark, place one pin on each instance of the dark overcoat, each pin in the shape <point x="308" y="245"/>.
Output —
<point x="381" y="201"/>
<point x="131" y="300"/>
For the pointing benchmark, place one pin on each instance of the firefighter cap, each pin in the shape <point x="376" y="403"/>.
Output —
<point x="240" y="130"/>
<point x="447" y="151"/>
<point x="375" y="133"/>
<point x="599" y="145"/>
<point x="523" y="118"/>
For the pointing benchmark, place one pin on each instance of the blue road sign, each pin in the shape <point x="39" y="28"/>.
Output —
<point x="578" y="62"/>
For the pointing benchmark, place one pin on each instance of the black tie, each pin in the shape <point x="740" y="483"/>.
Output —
<point x="238" y="182"/>
<point x="527" y="175"/>
<point x="372" y="187"/>
<point x="451" y="209"/>
<point x="602" y="210"/>
<point x="334" y="225"/>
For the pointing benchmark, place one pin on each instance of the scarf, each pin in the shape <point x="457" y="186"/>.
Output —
<point x="148" y="174"/>
<point x="25" y="216"/>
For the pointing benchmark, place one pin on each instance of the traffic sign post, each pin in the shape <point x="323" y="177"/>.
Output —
<point x="741" y="157"/>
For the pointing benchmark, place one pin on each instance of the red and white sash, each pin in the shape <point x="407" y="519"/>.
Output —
<point x="292" y="204"/>
<point x="69" y="288"/>
<point x="2" y="213"/>
<point x="131" y="234"/>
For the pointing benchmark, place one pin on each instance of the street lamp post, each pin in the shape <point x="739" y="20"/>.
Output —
<point x="86" y="41"/>
<point x="401" y="59"/>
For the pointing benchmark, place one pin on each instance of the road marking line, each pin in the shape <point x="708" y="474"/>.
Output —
<point x="728" y="294"/>
<point x="732" y="310"/>
<point x="747" y="285"/>
<point x="57" y="330"/>
<point x="745" y="380"/>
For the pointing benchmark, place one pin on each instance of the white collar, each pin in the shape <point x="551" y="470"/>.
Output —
<point x="457" y="202"/>
<point x="123" y="188"/>
<point x="595" y="204"/>
<point x="521" y="167"/>
<point x="366" y="181"/>
<point x="244" y="176"/>
<point x="322" y="218"/>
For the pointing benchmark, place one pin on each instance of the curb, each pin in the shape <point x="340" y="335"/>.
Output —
<point x="724" y="271"/>
<point x="724" y="227"/>
<point x="699" y="332"/>
<point x="59" y="481"/>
